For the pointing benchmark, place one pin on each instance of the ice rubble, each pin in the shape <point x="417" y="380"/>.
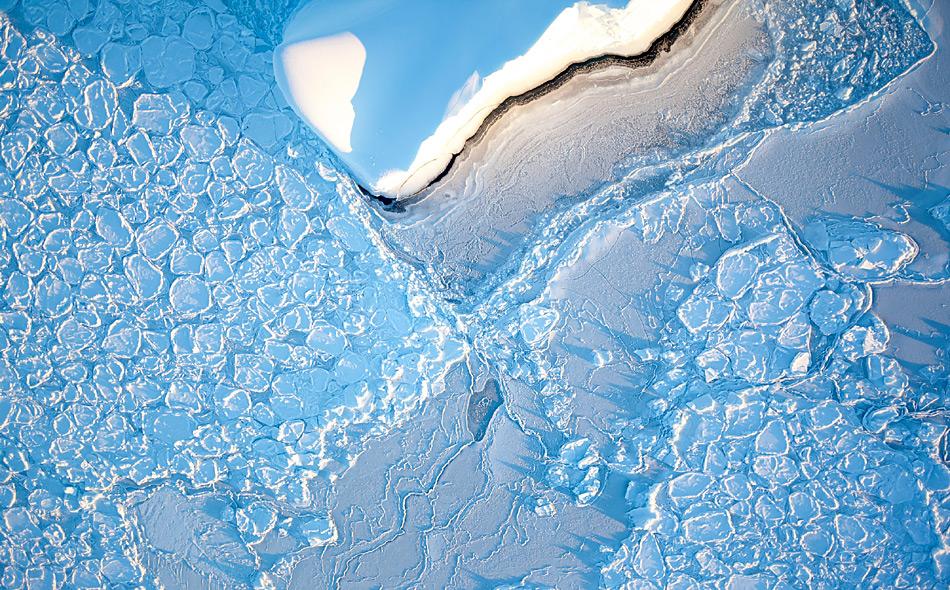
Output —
<point x="188" y="329"/>
<point x="742" y="467"/>
<point x="197" y="329"/>
<point x="739" y="68"/>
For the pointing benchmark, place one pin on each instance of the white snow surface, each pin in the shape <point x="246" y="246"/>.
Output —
<point x="319" y="75"/>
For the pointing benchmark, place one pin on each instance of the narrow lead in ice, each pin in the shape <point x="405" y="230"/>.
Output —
<point x="397" y="88"/>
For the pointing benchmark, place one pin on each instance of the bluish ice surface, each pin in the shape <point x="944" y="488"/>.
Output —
<point x="418" y="55"/>
<point x="424" y="60"/>
<point x="726" y="366"/>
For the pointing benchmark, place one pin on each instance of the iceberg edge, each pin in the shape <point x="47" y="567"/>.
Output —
<point x="581" y="33"/>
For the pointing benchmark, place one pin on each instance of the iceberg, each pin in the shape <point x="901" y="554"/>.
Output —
<point x="397" y="88"/>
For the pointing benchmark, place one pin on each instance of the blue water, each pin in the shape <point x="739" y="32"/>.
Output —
<point x="216" y="372"/>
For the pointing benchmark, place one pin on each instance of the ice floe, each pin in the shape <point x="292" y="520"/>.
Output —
<point x="216" y="372"/>
<point x="398" y="116"/>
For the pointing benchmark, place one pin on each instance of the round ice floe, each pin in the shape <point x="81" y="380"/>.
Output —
<point x="326" y="339"/>
<point x="189" y="295"/>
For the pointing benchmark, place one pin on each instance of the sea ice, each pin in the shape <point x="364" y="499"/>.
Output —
<point x="367" y="79"/>
<point x="722" y="364"/>
<point x="699" y="104"/>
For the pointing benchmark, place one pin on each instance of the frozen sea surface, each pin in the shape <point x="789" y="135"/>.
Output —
<point x="703" y="346"/>
<point x="397" y="89"/>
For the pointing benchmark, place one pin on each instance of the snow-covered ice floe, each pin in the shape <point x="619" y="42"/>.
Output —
<point x="398" y="88"/>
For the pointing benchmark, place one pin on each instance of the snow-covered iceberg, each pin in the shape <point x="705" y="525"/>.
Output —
<point x="397" y="88"/>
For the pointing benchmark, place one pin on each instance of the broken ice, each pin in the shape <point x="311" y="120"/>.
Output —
<point x="701" y="344"/>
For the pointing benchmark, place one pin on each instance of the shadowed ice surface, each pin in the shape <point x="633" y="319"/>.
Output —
<point x="677" y="325"/>
<point x="397" y="88"/>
